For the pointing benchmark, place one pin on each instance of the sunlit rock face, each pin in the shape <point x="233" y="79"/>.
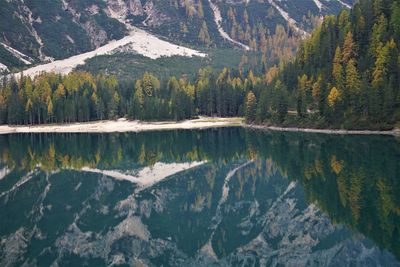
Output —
<point x="121" y="199"/>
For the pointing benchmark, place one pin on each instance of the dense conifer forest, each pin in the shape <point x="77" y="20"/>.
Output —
<point x="346" y="75"/>
<point x="80" y="97"/>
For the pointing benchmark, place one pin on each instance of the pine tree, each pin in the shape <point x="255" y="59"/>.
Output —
<point x="353" y="84"/>
<point x="174" y="89"/>
<point x="263" y="107"/>
<point x="378" y="35"/>
<point x="233" y="34"/>
<point x="302" y="88"/>
<point x="150" y="84"/>
<point x="395" y="19"/>
<point x="343" y="24"/>
<point x="138" y="100"/>
<point x="337" y="69"/>
<point x="251" y="107"/>
<point x="189" y="8"/>
<point x="349" y="48"/>
<point x="246" y="17"/>
<point x="28" y="87"/>
<point x="281" y="101"/>
<point x="318" y="95"/>
<point x="184" y="28"/>
<point x="200" y="11"/>
<point x="49" y="106"/>
<point x="204" y="36"/>
<point x="334" y="97"/>
<point x="380" y="70"/>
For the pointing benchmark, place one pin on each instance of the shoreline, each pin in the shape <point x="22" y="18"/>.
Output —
<point x="395" y="132"/>
<point x="122" y="125"/>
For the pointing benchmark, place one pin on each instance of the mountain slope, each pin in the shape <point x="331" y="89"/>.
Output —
<point x="42" y="31"/>
<point x="347" y="74"/>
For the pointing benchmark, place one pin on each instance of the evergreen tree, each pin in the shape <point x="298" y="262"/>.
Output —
<point x="280" y="101"/>
<point x="204" y="36"/>
<point x="200" y="11"/>
<point x="251" y="107"/>
<point x="349" y="48"/>
<point x="353" y="84"/>
<point x="337" y="70"/>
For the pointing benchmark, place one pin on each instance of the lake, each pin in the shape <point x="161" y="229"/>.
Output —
<point x="221" y="197"/>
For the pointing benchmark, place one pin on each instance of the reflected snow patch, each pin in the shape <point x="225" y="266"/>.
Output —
<point x="148" y="175"/>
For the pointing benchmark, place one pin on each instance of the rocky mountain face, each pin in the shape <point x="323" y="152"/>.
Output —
<point x="105" y="224"/>
<point x="188" y="200"/>
<point x="37" y="31"/>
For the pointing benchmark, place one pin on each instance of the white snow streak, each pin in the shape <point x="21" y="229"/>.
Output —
<point x="225" y="188"/>
<point x="17" y="54"/>
<point x="216" y="220"/>
<point x="3" y="67"/>
<point x="292" y="23"/>
<point x="218" y="19"/>
<point x="139" y="41"/>
<point x="318" y="4"/>
<point x="149" y="175"/>
<point x="21" y="182"/>
<point x="34" y="33"/>
<point x="344" y="4"/>
<point x="4" y="172"/>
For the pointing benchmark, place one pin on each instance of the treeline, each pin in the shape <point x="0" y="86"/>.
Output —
<point x="346" y="75"/>
<point x="80" y="97"/>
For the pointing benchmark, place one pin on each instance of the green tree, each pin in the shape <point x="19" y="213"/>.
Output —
<point x="280" y="101"/>
<point x="353" y="84"/>
<point x="337" y="69"/>
<point x="251" y="107"/>
<point x="204" y="36"/>
<point x="138" y="100"/>
<point x="349" y="48"/>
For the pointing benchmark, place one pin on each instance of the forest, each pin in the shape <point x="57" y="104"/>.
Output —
<point x="81" y="97"/>
<point x="346" y="75"/>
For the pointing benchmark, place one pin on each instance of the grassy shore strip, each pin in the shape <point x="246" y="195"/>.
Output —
<point x="122" y="125"/>
<point x="395" y="132"/>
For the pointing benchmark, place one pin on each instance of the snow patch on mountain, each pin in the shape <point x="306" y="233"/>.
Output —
<point x="292" y="22"/>
<point x="207" y="248"/>
<point x="29" y="22"/>
<point x="4" y="172"/>
<point x="22" y="57"/>
<point x="21" y="182"/>
<point x="218" y="19"/>
<point x="3" y="68"/>
<point x="318" y="4"/>
<point x="140" y="42"/>
<point x="344" y="4"/>
<point x="149" y="175"/>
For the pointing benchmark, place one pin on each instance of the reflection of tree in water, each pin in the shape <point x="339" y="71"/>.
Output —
<point x="52" y="152"/>
<point x="355" y="180"/>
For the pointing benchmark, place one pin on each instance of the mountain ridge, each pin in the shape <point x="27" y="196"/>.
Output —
<point x="33" y="33"/>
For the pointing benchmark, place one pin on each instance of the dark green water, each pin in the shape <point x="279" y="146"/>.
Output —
<point x="221" y="197"/>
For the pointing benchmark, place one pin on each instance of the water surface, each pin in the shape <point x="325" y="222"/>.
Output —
<point x="222" y="197"/>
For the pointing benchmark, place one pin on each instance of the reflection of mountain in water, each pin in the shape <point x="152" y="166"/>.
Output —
<point x="249" y="205"/>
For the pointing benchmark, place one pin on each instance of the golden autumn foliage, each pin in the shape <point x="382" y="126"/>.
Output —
<point x="333" y="97"/>
<point x="336" y="165"/>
